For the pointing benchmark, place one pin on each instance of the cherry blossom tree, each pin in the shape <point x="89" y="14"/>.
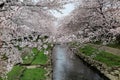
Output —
<point x="23" y="23"/>
<point x="94" y="20"/>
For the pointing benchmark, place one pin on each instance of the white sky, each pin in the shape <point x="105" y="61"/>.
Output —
<point x="68" y="9"/>
<point x="65" y="12"/>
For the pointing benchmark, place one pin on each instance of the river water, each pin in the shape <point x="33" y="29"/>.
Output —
<point x="67" y="66"/>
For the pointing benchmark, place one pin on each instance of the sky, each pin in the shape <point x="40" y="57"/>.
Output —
<point x="68" y="9"/>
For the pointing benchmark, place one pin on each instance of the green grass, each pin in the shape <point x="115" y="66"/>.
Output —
<point x="41" y="58"/>
<point x="35" y="57"/>
<point x="35" y="50"/>
<point x="28" y="58"/>
<point x="15" y="73"/>
<point x="1" y="78"/>
<point x="28" y="74"/>
<point x="88" y="50"/>
<point x="108" y="58"/>
<point x="104" y="57"/>
<point x="34" y="74"/>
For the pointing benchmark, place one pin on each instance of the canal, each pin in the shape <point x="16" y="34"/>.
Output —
<point x="67" y="66"/>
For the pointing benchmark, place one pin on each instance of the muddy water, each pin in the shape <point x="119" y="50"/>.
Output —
<point x="67" y="66"/>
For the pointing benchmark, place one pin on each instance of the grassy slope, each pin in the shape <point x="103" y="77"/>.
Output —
<point x="102" y="56"/>
<point x="36" y="57"/>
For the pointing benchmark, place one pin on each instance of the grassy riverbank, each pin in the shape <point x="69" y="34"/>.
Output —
<point x="105" y="57"/>
<point x="34" y="66"/>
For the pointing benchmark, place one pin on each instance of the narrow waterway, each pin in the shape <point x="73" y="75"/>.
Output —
<point x="67" y="66"/>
